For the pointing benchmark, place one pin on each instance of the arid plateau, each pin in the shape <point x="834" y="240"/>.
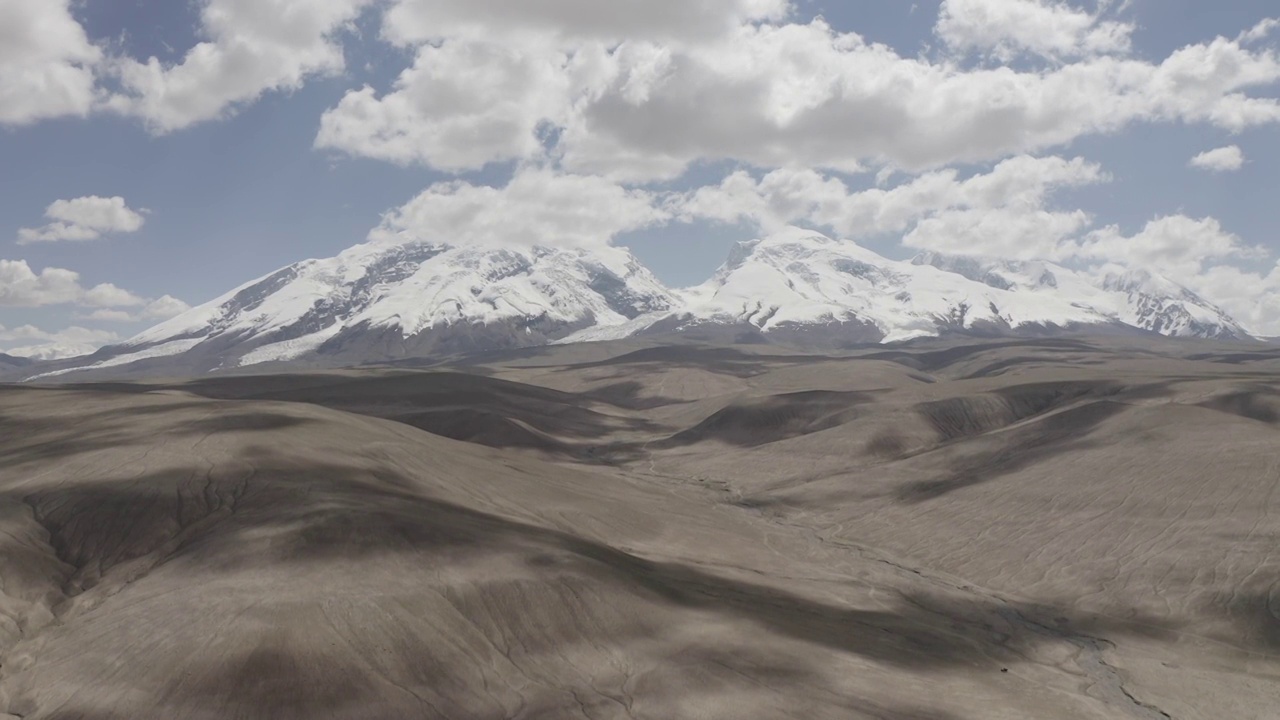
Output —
<point x="971" y="529"/>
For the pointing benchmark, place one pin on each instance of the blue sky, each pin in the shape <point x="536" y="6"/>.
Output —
<point x="230" y="177"/>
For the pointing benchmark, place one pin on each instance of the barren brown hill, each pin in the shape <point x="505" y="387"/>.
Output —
<point x="951" y="531"/>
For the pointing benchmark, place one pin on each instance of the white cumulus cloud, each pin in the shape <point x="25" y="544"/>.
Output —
<point x="461" y="105"/>
<point x="1015" y="233"/>
<point x="940" y="198"/>
<point x="1223" y="159"/>
<point x="1259" y="32"/>
<point x="416" y="21"/>
<point x="806" y="95"/>
<point x="1007" y="212"/>
<point x="84" y="218"/>
<point x="46" y="62"/>
<point x="253" y="46"/>
<point x="538" y="207"/>
<point x="771" y="95"/>
<point x="1205" y="257"/>
<point x="20" y="286"/>
<point x="637" y="90"/>
<point x="1007" y="28"/>
<point x="162" y="308"/>
<point x="1252" y="298"/>
<point x="1178" y="246"/>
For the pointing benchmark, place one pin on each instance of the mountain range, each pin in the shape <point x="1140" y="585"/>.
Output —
<point x="9" y="362"/>
<point x="378" y="302"/>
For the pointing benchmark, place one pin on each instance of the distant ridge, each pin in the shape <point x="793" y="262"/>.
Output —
<point x="9" y="361"/>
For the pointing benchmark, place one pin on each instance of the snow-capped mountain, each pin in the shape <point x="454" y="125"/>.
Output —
<point x="379" y="301"/>
<point x="10" y="361"/>
<point x="13" y="368"/>
<point x="801" y="285"/>
<point x="798" y="279"/>
<point x="798" y="284"/>
<point x="1137" y="298"/>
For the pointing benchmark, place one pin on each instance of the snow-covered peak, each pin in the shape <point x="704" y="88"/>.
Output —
<point x="1005" y="275"/>
<point x="1135" y="297"/>
<point x="1162" y="305"/>
<point x="800" y="277"/>
<point x="1118" y="279"/>
<point x="408" y="290"/>
<point x="381" y="300"/>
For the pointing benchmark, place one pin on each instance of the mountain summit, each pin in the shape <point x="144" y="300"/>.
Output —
<point x="379" y="301"/>
<point x="1137" y="298"/>
<point x="801" y="286"/>
<point x="797" y="281"/>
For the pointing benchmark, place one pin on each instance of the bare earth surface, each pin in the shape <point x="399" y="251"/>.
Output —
<point x="974" y="531"/>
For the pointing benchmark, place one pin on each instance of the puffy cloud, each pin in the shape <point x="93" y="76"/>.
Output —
<point x="254" y="46"/>
<point x="417" y="21"/>
<point x="46" y="62"/>
<point x="251" y="47"/>
<point x="461" y="105"/>
<point x="773" y="96"/>
<point x="489" y="76"/>
<point x="1203" y="256"/>
<point x="1017" y="233"/>
<point x="108" y="295"/>
<point x="20" y="286"/>
<point x="1197" y="253"/>
<point x="1223" y="159"/>
<point x="639" y="89"/>
<point x="108" y="315"/>
<point x="786" y="196"/>
<point x="805" y="95"/>
<point x="538" y="207"/>
<point x="1177" y="246"/>
<point x="32" y="342"/>
<point x="1007" y="28"/>
<point x="1252" y="298"/>
<point x="777" y="199"/>
<point x="1259" y="32"/>
<point x="83" y="218"/>
<point x="1002" y="213"/>
<point x="161" y="308"/>
<point x="99" y="213"/>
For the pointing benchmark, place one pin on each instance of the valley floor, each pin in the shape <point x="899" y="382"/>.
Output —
<point x="979" y="530"/>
